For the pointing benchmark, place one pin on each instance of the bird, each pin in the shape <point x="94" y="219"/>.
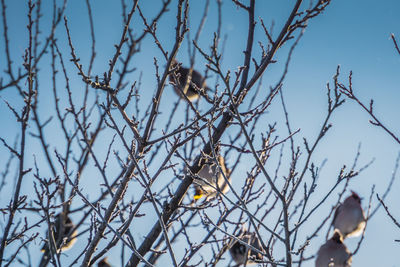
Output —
<point x="188" y="81"/>
<point x="64" y="233"/>
<point x="103" y="263"/>
<point x="64" y="236"/>
<point x="333" y="253"/>
<point x="210" y="178"/>
<point x="242" y="254"/>
<point x="349" y="217"/>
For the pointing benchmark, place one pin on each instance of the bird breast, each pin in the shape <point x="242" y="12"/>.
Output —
<point x="350" y="221"/>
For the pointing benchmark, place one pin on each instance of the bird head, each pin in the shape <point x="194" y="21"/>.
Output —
<point x="104" y="263"/>
<point x="337" y="236"/>
<point x="355" y="196"/>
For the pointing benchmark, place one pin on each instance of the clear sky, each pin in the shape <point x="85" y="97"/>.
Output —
<point x="352" y="34"/>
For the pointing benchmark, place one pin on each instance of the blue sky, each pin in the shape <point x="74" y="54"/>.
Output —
<point x="352" y="34"/>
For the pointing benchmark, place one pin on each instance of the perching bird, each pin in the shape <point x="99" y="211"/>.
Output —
<point x="349" y="217"/>
<point x="209" y="174"/>
<point x="63" y="236"/>
<point x="103" y="263"/>
<point x="333" y="253"/>
<point x="185" y="78"/>
<point x="242" y="254"/>
<point x="63" y="225"/>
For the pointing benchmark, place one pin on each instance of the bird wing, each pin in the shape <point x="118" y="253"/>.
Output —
<point x="336" y="214"/>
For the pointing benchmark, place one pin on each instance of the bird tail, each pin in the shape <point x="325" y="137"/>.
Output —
<point x="45" y="258"/>
<point x="199" y="193"/>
